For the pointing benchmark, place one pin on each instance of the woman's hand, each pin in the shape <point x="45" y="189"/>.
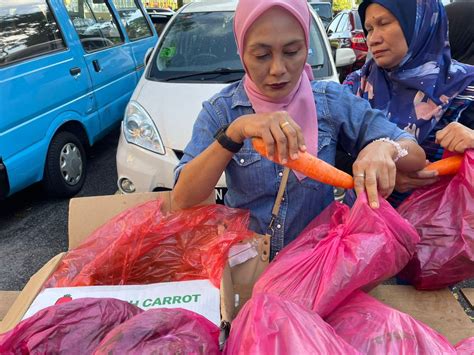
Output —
<point x="278" y="130"/>
<point x="375" y="169"/>
<point x="455" y="137"/>
<point x="409" y="181"/>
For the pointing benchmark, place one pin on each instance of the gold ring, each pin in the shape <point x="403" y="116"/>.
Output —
<point x="284" y="124"/>
<point x="359" y="175"/>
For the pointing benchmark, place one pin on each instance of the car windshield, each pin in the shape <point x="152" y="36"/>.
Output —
<point x="201" y="47"/>
<point x="323" y="10"/>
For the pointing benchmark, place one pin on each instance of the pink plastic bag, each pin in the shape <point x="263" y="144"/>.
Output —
<point x="443" y="216"/>
<point x="74" y="327"/>
<point x="162" y="331"/>
<point x="267" y="324"/>
<point x="328" y="261"/>
<point x="465" y="347"/>
<point x="374" y="328"/>
<point x="142" y="245"/>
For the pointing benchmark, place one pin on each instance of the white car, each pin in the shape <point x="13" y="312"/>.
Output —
<point x="194" y="59"/>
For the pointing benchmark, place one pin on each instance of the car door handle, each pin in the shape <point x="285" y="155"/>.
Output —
<point x="76" y="71"/>
<point x="96" y="65"/>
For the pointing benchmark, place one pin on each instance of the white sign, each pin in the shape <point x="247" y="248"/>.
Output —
<point x="199" y="296"/>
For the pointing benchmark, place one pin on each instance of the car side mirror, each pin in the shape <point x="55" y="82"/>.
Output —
<point x="345" y="56"/>
<point x="148" y="53"/>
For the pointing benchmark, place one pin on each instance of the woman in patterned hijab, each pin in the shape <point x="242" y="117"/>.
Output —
<point x="414" y="80"/>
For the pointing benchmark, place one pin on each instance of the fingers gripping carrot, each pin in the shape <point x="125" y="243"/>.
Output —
<point x="312" y="167"/>
<point x="446" y="166"/>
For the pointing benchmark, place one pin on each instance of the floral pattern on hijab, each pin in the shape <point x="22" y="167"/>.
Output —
<point x="417" y="93"/>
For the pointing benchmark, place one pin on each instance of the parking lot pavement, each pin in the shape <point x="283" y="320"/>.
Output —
<point x="33" y="227"/>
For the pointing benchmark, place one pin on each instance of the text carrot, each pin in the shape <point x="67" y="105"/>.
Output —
<point x="312" y="167"/>
<point x="446" y="166"/>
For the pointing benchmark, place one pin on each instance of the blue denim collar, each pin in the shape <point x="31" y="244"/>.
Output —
<point x="239" y="97"/>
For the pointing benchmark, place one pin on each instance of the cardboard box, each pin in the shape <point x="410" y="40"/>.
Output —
<point x="438" y="309"/>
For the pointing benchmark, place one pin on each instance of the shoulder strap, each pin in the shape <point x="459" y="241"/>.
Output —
<point x="281" y="191"/>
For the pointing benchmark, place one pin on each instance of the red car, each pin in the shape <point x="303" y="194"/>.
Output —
<point x="345" y="31"/>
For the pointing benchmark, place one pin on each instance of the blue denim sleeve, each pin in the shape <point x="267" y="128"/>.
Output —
<point x="359" y="124"/>
<point x="205" y="126"/>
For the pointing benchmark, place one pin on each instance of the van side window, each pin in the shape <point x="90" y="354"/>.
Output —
<point x="94" y="23"/>
<point x="27" y="29"/>
<point x="133" y="19"/>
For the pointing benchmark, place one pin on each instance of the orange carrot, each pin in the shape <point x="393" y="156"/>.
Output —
<point x="312" y="167"/>
<point x="446" y="166"/>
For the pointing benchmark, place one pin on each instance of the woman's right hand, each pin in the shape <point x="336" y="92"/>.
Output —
<point x="405" y="182"/>
<point x="278" y="130"/>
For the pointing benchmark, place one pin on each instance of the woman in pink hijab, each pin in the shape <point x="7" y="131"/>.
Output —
<point x="278" y="101"/>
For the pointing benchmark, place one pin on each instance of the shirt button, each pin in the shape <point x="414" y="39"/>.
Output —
<point x="280" y="174"/>
<point x="278" y="226"/>
<point x="242" y="161"/>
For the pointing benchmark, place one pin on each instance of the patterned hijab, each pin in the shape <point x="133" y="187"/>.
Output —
<point x="417" y="93"/>
<point x="300" y="102"/>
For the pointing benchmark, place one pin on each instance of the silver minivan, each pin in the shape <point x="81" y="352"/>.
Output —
<point x="194" y="59"/>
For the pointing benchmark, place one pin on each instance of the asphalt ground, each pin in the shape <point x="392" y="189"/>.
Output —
<point x="33" y="227"/>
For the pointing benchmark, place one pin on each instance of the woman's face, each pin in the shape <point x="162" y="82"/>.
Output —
<point x="275" y="53"/>
<point x="385" y="37"/>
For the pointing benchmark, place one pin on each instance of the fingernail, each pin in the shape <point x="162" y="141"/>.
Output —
<point x="303" y="147"/>
<point x="374" y="204"/>
<point x="294" y="156"/>
<point x="283" y="161"/>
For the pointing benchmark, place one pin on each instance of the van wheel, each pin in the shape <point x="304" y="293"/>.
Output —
<point x="65" y="168"/>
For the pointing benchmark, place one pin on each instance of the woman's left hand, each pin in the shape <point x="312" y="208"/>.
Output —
<point x="374" y="170"/>
<point x="455" y="137"/>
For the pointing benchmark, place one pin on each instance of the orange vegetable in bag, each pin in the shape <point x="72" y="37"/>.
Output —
<point x="446" y="166"/>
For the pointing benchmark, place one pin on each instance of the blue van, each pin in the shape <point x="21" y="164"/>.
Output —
<point x="67" y="71"/>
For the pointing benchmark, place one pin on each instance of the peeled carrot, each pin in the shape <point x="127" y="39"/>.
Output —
<point x="312" y="167"/>
<point x="446" y="166"/>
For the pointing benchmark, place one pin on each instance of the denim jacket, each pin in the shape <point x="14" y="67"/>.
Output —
<point x="253" y="181"/>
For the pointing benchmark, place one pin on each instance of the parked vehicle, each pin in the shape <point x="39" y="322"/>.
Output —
<point x="345" y="31"/>
<point x="194" y="59"/>
<point x="324" y="10"/>
<point x="67" y="71"/>
<point x="160" y="17"/>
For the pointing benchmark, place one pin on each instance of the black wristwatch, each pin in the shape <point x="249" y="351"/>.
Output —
<point x="226" y="142"/>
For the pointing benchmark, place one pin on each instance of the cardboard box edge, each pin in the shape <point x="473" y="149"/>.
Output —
<point x="28" y="294"/>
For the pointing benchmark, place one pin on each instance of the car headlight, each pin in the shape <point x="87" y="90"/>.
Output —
<point x="139" y="129"/>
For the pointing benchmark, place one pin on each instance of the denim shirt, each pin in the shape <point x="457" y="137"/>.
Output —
<point x="253" y="181"/>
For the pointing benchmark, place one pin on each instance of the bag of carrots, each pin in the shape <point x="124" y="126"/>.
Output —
<point x="342" y="250"/>
<point x="268" y="324"/>
<point x="443" y="214"/>
<point x="371" y="327"/>
<point x="143" y="245"/>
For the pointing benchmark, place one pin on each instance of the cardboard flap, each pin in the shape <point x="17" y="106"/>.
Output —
<point x="437" y="309"/>
<point x="7" y="298"/>
<point x="86" y="214"/>
<point x="28" y="294"/>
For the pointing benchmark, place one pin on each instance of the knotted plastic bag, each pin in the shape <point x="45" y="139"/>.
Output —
<point x="162" y="331"/>
<point x="143" y="245"/>
<point x="267" y="324"/>
<point x="374" y="328"/>
<point x="351" y="249"/>
<point x="443" y="214"/>
<point x="74" y="327"/>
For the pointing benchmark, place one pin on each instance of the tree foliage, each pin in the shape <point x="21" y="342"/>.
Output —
<point x="339" y="5"/>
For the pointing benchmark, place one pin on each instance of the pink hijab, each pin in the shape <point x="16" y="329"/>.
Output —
<point x="300" y="102"/>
